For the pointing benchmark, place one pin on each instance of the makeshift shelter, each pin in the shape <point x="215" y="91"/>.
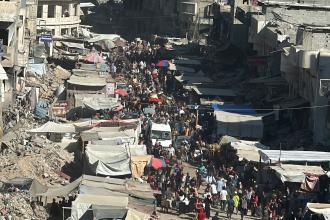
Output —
<point x="274" y="156"/>
<point x="89" y="80"/>
<point x="238" y="125"/>
<point x="101" y="161"/>
<point x="138" y="164"/>
<point x="136" y="215"/>
<point x="96" y="185"/>
<point x="320" y="209"/>
<point x="112" y="160"/>
<point x="296" y="173"/>
<point x="100" y="103"/>
<point x="52" y="127"/>
<point x="88" y="206"/>
<point x="248" y="150"/>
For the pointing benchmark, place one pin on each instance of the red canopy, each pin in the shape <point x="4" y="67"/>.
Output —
<point x="121" y="92"/>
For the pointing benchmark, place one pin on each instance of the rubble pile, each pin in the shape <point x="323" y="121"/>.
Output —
<point x="50" y="82"/>
<point x="18" y="205"/>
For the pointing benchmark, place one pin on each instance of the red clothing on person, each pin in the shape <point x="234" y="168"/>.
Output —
<point x="201" y="215"/>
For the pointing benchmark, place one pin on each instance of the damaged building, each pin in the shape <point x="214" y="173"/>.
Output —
<point x="184" y="18"/>
<point x="17" y="34"/>
<point x="58" y="17"/>
<point x="287" y="54"/>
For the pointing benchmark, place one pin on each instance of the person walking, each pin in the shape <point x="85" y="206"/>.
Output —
<point x="230" y="207"/>
<point x="223" y="198"/>
<point x="236" y="202"/>
<point x="243" y="206"/>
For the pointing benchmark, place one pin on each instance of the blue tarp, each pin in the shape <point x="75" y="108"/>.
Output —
<point x="41" y="110"/>
<point x="240" y="109"/>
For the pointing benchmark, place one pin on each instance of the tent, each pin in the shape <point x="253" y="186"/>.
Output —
<point x="238" y="125"/>
<point x="101" y="161"/>
<point x="112" y="160"/>
<point x="52" y="127"/>
<point x="138" y="164"/>
<point x="87" y="80"/>
<point x="296" y="173"/>
<point x="99" y="207"/>
<point x="136" y="215"/>
<point x="247" y="149"/>
<point x="273" y="156"/>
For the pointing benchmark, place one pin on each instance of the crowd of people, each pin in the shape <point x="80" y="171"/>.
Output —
<point x="209" y="186"/>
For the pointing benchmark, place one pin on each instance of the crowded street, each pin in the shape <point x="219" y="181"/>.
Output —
<point x="164" y="110"/>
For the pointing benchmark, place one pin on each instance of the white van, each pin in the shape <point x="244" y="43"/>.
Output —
<point x="161" y="133"/>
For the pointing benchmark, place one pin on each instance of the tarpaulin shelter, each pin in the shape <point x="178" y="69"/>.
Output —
<point x="274" y="156"/>
<point x="100" y="160"/>
<point x="52" y="127"/>
<point x="320" y="208"/>
<point x="112" y="160"/>
<point x="89" y="80"/>
<point x="136" y="215"/>
<point x="247" y="150"/>
<point x="96" y="185"/>
<point x="89" y="206"/>
<point x="100" y="103"/>
<point x="94" y="58"/>
<point x="296" y="173"/>
<point x="238" y="125"/>
<point x="138" y="164"/>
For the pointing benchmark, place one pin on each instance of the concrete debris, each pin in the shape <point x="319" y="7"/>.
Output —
<point x="36" y="157"/>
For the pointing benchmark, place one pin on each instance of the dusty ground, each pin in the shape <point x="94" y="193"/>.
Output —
<point x="173" y="214"/>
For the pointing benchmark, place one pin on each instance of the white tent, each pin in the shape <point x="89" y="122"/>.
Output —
<point x="273" y="156"/>
<point x="52" y="127"/>
<point x="296" y="173"/>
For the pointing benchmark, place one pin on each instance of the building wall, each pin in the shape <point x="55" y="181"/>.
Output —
<point x="59" y="17"/>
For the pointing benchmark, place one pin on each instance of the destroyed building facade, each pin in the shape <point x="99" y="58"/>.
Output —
<point x="58" y="17"/>
<point x="17" y="34"/>
<point x="185" y="18"/>
<point x="287" y="49"/>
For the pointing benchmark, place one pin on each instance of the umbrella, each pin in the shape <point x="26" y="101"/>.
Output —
<point x="121" y="92"/>
<point x="163" y="63"/>
<point x="156" y="163"/>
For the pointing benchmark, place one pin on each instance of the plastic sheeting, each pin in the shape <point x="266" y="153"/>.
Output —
<point x="104" y="162"/>
<point x="138" y="164"/>
<point x="296" y="173"/>
<point x="239" y="125"/>
<point x="273" y="156"/>
<point x="136" y="215"/>
<point x="52" y="127"/>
